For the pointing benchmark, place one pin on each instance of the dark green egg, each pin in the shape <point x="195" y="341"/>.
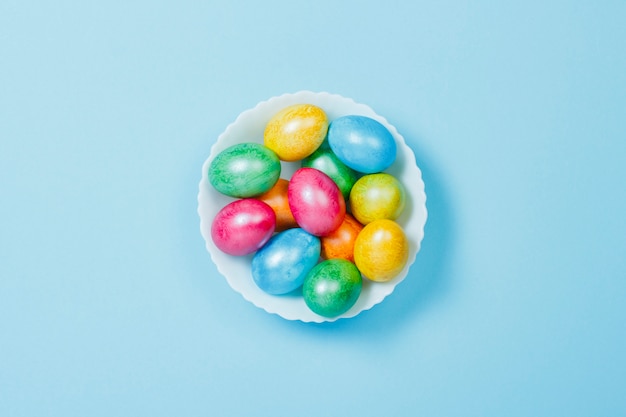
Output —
<point x="323" y="159"/>
<point x="244" y="170"/>
<point x="332" y="287"/>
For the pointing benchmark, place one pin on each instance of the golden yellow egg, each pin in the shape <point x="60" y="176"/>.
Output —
<point x="296" y="131"/>
<point x="381" y="250"/>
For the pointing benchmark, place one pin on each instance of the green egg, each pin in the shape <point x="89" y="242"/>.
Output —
<point x="332" y="287"/>
<point x="244" y="170"/>
<point x="323" y="159"/>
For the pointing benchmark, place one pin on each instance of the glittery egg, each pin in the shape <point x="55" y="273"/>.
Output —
<point x="276" y="198"/>
<point x="381" y="250"/>
<point x="332" y="287"/>
<point x="326" y="161"/>
<point x="362" y="143"/>
<point x="244" y="170"/>
<point x="296" y="131"/>
<point x="283" y="263"/>
<point x="340" y="242"/>
<point x="243" y="226"/>
<point x="315" y="201"/>
<point x="377" y="196"/>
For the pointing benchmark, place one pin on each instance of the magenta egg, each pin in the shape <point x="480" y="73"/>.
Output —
<point x="243" y="226"/>
<point x="315" y="201"/>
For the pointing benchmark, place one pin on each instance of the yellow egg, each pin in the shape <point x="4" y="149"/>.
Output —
<point x="381" y="250"/>
<point x="377" y="196"/>
<point x="296" y="131"/>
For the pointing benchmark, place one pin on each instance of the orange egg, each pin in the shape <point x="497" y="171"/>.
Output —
<point x="381" y="250"/>
<point x="340" y="243"/>
<point x="276" y="198"/>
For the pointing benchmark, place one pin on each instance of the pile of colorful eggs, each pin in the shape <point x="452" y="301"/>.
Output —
<point x="328" y="227"/>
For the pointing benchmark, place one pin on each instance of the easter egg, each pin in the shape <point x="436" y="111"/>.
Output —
<point x="282" y="264"/>
<point x="377" y="196"/>
<point x="243" y="226"/>
<point x="340" y="242"/>
<point x="296" y="131"/>
<point x="276" y="198"/>
<point x="326" y="161"/>
<point x="244" y="170"/>
<point x="362" y="143"/>
<point x="381" y="250"/>
<point x="332" y="287"/>
<point x="315" y="201"/>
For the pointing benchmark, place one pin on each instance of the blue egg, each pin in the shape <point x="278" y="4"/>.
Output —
<point x="283" y="263"/>
<point x="362" y="143"/>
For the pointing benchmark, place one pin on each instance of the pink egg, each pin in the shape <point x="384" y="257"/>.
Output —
<point x="315" y="201"/>
<point x="243" y="226"/>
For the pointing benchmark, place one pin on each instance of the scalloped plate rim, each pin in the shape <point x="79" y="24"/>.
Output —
<point x="417" y="192"/>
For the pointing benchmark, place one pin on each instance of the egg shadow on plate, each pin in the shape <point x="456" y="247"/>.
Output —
<point x="429" y="278"/>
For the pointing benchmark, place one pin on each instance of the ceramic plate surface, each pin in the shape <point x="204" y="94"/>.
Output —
<point x="249" y="127"/>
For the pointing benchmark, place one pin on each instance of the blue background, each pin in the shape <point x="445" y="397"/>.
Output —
<point x="111" y="306"/>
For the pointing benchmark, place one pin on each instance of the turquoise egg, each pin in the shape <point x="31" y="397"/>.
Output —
<point x="325" y="160"/>
<point x="244" y="170"/>
<point x="332" y="287"/>
<point x="362" y="143"/>
<point x="281" y="265"/>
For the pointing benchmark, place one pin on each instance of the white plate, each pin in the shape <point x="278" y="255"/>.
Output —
<point x="249" y="127"/>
